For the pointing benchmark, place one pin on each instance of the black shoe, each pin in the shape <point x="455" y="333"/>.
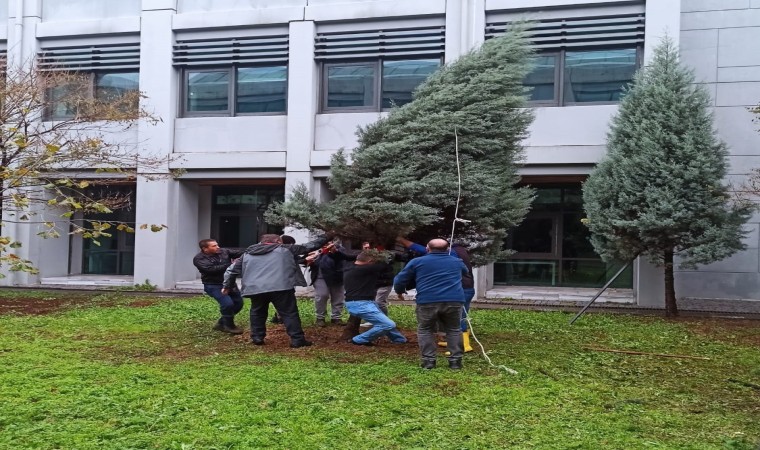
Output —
<point x="257" y="341"/>
<point x="301" y="344"/>
<point x="337" y="322"/>
<point x="218" y="326"/>
<point x="321" y="323"/>
<point x="363" y="344"/>
<point x="428" y="365"/>
<point x="228" y="326"/>
<point x="455" y="364"/>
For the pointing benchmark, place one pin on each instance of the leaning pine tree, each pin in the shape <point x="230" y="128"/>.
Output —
<point x="403" y="177"/>
<point x="659" y="192"/>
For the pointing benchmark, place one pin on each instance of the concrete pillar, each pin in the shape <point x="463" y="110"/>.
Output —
<point x="465" y="27"/>
<point x="159" y="196"/>
<point x="648" y="284"/>
<point x="23" y="17"/>
<point x="663" y="17"/>
<point x="303" y="83"/>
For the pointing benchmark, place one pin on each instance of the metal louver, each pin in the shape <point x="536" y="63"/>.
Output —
<point x="380" y="43"/>
<point x="624" y="29"/>
<point x="229" y="51"/>
<point x="90" y="57"/>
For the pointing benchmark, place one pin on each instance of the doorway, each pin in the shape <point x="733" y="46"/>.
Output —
<point x="237" y="214"/>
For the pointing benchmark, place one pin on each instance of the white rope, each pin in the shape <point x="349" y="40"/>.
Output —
<point x="451" y="249"/>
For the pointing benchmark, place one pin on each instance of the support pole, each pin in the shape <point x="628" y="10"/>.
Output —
<point x="604" y="288"/>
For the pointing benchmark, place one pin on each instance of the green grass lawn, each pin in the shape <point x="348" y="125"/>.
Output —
<point x="107" y="374"/>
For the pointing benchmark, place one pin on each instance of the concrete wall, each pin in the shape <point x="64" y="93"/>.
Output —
<point x="720" y="39"/>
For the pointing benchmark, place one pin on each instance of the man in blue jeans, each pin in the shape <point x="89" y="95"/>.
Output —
<point x="437" y="276"/>
<point x="211" y="262"/>
<point x="360" y="281"/>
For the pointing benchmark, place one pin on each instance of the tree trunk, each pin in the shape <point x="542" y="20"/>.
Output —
<point x="671" y="310"/>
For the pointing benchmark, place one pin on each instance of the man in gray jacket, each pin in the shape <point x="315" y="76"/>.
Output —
<point x="269" y="271"/>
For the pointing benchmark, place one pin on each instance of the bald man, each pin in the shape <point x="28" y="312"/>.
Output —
<point x="437" y="276"/>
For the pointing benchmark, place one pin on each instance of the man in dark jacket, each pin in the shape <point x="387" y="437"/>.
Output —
<point x="438" y="280"/>
<point x="211" y="262"/>
<point x="269" y="272"/>
<point x="360" y="280"/>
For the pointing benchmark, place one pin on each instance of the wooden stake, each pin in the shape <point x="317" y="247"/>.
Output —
<point x="629" y="352"/>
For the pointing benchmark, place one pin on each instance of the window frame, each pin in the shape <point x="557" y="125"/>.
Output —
<point x="232" y="91"/>
<point x="92" y="78"/>
<point x="559" y="74"/>
<point x="377" y="63"/>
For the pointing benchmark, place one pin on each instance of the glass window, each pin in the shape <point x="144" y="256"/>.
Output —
<point x="261" y="89"/>
<point x="208" y="91"/>
<point x="542" y="79"/>
<point x="351" y="85"/>
<point x="111" y="86"/>
<point x="401" y="78"/>
<point x="64" y="101"/>
<point x="597" y="75"/>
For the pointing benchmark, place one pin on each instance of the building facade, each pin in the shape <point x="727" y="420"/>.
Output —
<point x="255" y="96"/>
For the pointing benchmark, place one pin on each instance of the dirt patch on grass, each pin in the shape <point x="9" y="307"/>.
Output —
<point x="277" y="340"/>
<point x="36" y="306"/>
<point x="741" y="331"/>
<point x="40" y="306"/>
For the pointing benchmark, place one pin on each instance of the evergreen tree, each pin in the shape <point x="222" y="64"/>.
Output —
<point x="659" y="191"/>
<point x="403" y="180"/>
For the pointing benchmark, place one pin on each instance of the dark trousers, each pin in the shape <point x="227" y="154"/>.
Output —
<point x="428" y="316"/>
<point x="287" y="308"/>
<point x="229" y="304"/>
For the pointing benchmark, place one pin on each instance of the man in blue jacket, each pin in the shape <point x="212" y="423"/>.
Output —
<point x="437" y="277"/>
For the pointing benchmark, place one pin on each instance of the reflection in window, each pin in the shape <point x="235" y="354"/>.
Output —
<point x="597" y="76"/>
<point x="350" y="85"/>
<point x="208" y="91"/>
<point x="261" y="89"/>
<point x="111" y="86"/>
<point x="401" y="78"/>
<point x="64" y="101"/>
<point x="542" y="78"/>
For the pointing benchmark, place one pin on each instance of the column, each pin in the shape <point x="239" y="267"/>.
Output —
<point x="303" y="82"/>
<point x="157" y="254"/>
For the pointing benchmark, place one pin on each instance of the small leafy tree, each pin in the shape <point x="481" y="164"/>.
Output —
<point x="660" y="190"/>
<point x="403" y="175"/>
<point x="51" y="170"/>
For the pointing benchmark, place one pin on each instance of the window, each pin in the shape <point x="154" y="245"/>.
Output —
<point x="65" y="100"/>
<point x="235" y="91"/>
<point x="581" y="59"/>
<point x="373" y="85"/>
<point x="582" y="76"/>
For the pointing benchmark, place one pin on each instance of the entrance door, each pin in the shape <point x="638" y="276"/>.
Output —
<point x="115" y="255"/>
<point x="237" y="214"/>
<point x="238" y="230"/>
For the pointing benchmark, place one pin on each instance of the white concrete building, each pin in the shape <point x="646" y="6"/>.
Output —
<point x="256" y="95"/>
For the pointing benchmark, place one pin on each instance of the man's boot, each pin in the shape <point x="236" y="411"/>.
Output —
<point x="230" y="327"/>
<point x="219" y="325"/>
<point x="352" y="328"/>
<point x="466" y="341"/>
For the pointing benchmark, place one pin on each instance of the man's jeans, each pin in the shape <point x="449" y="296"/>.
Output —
<point x="287" y="308"/>
<point x="382" y="325"/>
<point x="468" y="295"/>
<point x="428" y="315"/>
<point x="323" y="292"/>
<point x="229" y="304"/>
